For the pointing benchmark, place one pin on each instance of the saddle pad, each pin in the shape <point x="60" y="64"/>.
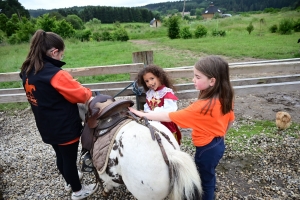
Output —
<point x="103" y="145"/>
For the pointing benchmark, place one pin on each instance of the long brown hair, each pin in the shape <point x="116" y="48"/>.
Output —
<point x="41" y="42"/>
<point x="159" y="73"/>
<point x="218" y="68"/>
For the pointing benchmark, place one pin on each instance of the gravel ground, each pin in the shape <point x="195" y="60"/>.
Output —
<point x="27" y="169"/>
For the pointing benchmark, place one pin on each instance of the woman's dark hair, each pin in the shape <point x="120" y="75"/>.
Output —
<point x="159" y="73"/>
<point x="218" y="68"/>
<point x="41" y="42"/>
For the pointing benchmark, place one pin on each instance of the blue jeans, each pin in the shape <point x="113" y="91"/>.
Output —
<point x="207" y="158"/>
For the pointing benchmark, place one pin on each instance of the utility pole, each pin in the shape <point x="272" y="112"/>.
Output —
<point x="183" y="9"/>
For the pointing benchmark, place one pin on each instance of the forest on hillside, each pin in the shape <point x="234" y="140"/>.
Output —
<point x="107" y="14"/>
<point x="225" y="5"/>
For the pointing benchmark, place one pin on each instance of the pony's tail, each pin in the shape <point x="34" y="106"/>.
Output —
<point x="186" y="181"/>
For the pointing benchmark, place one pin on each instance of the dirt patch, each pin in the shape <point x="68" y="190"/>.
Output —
<point x="265" y="106"/>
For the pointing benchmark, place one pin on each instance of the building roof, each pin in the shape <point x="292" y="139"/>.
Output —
<point x="212" y="9"/>
<point x="153" y="20"/>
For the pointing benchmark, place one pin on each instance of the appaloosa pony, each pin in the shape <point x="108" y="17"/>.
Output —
<point x="144" y="156"/>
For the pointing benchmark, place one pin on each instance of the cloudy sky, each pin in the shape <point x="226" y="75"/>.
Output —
<point x="51" y="4"/>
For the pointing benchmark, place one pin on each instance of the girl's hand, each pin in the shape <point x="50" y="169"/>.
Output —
<point x="138" y="113"/>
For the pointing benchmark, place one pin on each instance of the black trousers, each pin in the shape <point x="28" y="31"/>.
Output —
<point x="66" y="161"/>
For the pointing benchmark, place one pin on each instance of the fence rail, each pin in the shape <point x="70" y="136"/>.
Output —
<point x="256" y="85"/>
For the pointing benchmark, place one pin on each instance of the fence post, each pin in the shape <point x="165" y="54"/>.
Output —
<point x="145" y="57"/>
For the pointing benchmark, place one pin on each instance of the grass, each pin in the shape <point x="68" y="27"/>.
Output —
<point x="239" y="136"/>
<point x="169" y="53"/>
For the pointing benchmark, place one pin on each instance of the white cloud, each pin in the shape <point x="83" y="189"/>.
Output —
<point x="52" y="4"/>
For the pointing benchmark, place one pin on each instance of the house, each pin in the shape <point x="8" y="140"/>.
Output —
<point x="210" y="12"/>
<point x="155" y="23"/>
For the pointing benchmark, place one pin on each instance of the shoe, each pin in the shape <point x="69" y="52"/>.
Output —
<point x="85" y="191"/>
<point x="68" y="186"/>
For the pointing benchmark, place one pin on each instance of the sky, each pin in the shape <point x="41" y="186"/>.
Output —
<point x="52" y="4"/>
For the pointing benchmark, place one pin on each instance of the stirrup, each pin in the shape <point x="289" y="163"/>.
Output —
<point x="87" y="163"/>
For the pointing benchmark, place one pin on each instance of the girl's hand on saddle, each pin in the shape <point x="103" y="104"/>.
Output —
<point x="138" y="113"/>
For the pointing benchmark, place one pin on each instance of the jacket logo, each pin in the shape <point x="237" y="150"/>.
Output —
<point x="29" y="89"/>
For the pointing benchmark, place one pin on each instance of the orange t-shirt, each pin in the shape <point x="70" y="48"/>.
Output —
<point x="205" y="127"/>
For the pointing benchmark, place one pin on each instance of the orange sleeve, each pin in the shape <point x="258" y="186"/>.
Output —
<point x="71" y="89"/>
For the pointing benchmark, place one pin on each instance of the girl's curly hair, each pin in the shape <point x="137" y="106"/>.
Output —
<point x="159" y="73"/>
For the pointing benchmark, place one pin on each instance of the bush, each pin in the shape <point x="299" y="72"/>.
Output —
<point x="173" y="28"/>
<point x="76" y="22"/>
<point x="83" y="35"/>
<point x="120" y="34"/>
<point x="221" y="33"/>
<point x="64" y="29"/>
<point x="106" y="36"/>
<point x="285" y="26"/>
<point x="185" y="33"/>
<point x="2" y="37"/>
<point x="96" y="36"/>
<point x="297" y="26"/>
<point x="273" y="29"/>
<point x="271" y="10"/>
<point x="13" y="39"/>
<point x="200" y="31"/>
<point x="46" y="23"/>
<point x="250" y="28"/>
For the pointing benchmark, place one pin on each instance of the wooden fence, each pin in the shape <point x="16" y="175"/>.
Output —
<point x="259" y="84"/>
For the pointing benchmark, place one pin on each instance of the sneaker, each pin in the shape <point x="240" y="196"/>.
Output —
<point x="85" y="191"/>
<point x="68" y="186"/>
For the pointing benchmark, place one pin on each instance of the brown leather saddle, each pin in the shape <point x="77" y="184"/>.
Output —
<point x="104" y="113"/>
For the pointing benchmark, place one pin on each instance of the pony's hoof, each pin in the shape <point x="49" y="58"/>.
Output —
<point x="106" y="194"/>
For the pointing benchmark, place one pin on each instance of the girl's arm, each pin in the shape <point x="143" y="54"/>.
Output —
<point x="160" y="116"/>
<point x="71" y="89"/>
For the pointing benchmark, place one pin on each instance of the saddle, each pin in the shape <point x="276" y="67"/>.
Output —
<point x="104" y="113"/>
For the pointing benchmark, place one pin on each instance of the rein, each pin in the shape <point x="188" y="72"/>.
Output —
<point x="154" y="134"/>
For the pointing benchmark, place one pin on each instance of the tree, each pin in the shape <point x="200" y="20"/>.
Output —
<point x="200" y="31"/>
<point x="75" y="21"/>
<point x="25" y="31"/>
<point x="173" y="29"/>
<point x="183" y="9"/>
<point x="261" y="22"/>
<point x="12" y="25"/>
<point x="3" y="21"/>
<point x="64" y="29"/>
<point x="46" y="23"/>
<point x="10" y="7"/>
<point x="250" y="28"/>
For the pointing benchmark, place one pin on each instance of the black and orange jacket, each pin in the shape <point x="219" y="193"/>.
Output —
<point x="53" y="95"/>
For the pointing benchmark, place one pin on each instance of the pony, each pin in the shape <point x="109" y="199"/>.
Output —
<point x="136" y="160"/>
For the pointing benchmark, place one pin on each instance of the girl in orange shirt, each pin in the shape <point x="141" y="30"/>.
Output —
<point x="210" y="117"/>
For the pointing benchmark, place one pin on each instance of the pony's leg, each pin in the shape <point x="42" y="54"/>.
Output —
<point x="107" y="190"/>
